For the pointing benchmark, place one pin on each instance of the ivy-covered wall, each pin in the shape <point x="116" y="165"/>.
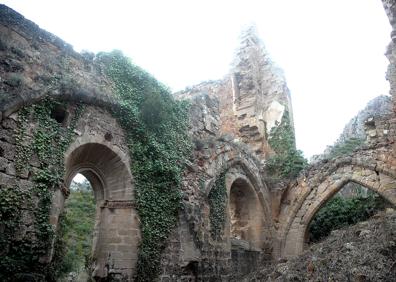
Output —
<point x="37" y="170"/>
<point x="156" y="128"/>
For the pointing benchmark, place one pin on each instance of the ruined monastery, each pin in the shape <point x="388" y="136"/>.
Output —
<point x="233" y="215"/>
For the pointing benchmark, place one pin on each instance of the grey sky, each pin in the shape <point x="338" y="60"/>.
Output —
<point x="330" y="50"/>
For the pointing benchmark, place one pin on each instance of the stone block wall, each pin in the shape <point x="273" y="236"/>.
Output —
<point x="98" y="150"/>
<point x="192" y="254"/>
<point x="35" y="63"/>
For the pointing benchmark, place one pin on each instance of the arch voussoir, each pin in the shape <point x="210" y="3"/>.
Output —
<point x="311" y="192"/>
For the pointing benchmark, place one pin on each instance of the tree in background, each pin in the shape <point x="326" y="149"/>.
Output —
<point x="78" y="223"/>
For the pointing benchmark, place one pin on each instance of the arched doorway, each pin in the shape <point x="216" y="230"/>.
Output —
<point x="245" y="213"/>
<point x="77" y="230"/>
<point x="246" y="226"/>
<point x="116" y="233"/>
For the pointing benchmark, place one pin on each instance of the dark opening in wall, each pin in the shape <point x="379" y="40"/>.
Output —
<point x="59" y="114"/>
<point x="108" y="136"/>
<point x="191" y="269"/>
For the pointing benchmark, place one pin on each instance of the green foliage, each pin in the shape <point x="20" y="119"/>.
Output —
<point x="156" y="127"/>
<point x="77" y="227"/>
<point x="15" y="80"/>
<point x="287" y="161"/>
<point x="339" y="212"/>
<point x="346" y="147"/>
<point x="12" y="201"/>
<point x="217" y="202"/>
<point x="49" y="142"/>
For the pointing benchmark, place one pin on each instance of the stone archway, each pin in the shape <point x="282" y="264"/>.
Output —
<point x="379" y="182"/>
<point x="116" y="234"/>
<point x="245" y="214"/>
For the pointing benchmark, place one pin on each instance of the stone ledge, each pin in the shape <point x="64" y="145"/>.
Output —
<point x="118" y="204"/>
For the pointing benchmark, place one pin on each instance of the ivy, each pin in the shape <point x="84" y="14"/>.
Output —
<point x="23" y="149"/>
<point x="156" y="128"/>
<point x="287" y="161"/>
<point x="14" y="252"/>
<point x="11" y="203"/>
<point x="218" y="203"/>
<point x="48" y="141"/>
<point x="157" y="137"/>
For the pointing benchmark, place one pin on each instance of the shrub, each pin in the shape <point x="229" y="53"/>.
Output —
<point x="287" y="161"/>
<point x="346" y="147"/>
<point x="339" y="212"/>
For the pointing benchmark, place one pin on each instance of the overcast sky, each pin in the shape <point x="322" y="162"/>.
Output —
<point x="330" y="50"/>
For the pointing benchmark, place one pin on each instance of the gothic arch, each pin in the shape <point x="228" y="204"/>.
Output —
<point x="241" y="175"/>
<point x="246" y="219"/>
<point x="251" y="174"/>
<point x="299" y="216"/>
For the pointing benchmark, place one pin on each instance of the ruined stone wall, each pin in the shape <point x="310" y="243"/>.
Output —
<point x="252" y="98"/>
<point x="243" y="106"/>
<point x="98" y="150"/>
<point x="193" y="252"/>
<point x="35" y="63"/>
<point x="372" y="167"/>
<point x="376" y="108"/>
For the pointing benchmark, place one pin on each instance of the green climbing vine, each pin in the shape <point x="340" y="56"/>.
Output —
<point x="218" y="203"/>
<point x="48" y="141"/>
<point x="287" y="161"/>
<point x="156" y="127"/>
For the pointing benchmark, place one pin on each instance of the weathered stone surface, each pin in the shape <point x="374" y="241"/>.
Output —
<point x="362" y="252"/>
<point x="251" y="100"/>
<point x="35" y="63"/>
<point x="230" y="120"/>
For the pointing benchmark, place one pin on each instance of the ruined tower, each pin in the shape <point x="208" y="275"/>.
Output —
<point x="253" y="97"/>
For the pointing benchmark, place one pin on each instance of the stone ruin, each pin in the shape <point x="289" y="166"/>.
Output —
<point x="230" y="119"/>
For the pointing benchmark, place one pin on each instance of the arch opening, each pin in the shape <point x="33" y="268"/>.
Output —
<point x="241" y="203"/>
<point x="245" y="215"/>
<point x="113" y="231"/>
<point x="296" y="236"/>
<point x="351" y="204"/>
<point x="78" y="229"/>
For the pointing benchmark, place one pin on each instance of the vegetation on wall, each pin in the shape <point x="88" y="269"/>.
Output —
<point x="156" y="127"/>
<point x="339" y="212"/>
<point x="346" y="147"/>
<point x="287" y="161"/>
<point x="47" y="143"/>
<point x="218" y="203"/>
<point x="12" y="253"/>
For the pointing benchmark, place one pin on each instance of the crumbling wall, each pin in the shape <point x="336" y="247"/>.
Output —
<point x="253" y="97"/>
<point x="96" y="147"/>
<point x="35" y="63"/>
<point x="192" y="251"/>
